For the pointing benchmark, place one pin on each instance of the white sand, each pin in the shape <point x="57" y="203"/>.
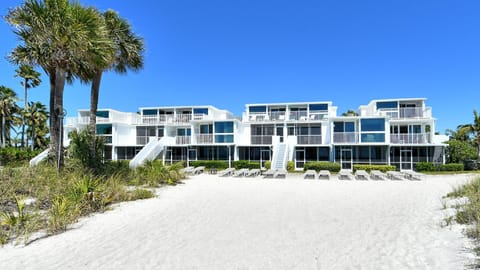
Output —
<point x="226" y="223"/>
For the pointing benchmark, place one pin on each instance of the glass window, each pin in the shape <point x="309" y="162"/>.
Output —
<point x="349" y="127"/>
<point x="224" y="138"/>
<point x="318" y="107"/>
<point x="257" y="109"/>
<point x="184" y="132"/>
<point x="206" y="129"/>
<point x="223" y="127"/>
<point x="149" y="112"/>
<point x="387" y="105"/>
<point x="104" y="114"/>
<point x="373" y="137"/>
<point x="315" y="130"/>
<point x="338" y="127"/>
<point x="200" y="111"/>
<point x="415" y="129"/>
<point x="375" y="124"/>
<point x="104" y="129"/>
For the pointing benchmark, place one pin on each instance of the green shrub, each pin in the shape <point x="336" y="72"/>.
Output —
<point x="210" y="164"/>
<point x="16" y="157"/>
<point x="322" y="165"/>
<point x="451" y="167"/>
<point x="370" y="167"/>
<point x="245" y="164"/>
<point x="290" y="166"/>
<point x="140" y="194"/>
<point x="268" y="165"/>
<point x="425" y="167"/>
<point x="62" y="213"/>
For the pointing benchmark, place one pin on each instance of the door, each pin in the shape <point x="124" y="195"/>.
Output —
<point x="406" y="160"/>
<point x="280" y="133"/>
<point x="346" y="159"/>
<point x="264" y="156"/>
<point x="299" y="158"/>
<point x="192" y="155"/>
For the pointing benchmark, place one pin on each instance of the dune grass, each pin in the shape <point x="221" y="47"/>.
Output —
<point x="39" y="199"/>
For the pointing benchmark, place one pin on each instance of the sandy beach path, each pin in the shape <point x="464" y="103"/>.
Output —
<point x="225" y="223"/>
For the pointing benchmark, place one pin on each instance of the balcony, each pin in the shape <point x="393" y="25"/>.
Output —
<point x="204" y="138"/>
<point x="345" y="137"/>
<point x="183" y="139"/>
<point x="178" y="119"/>
<point x="309" y="139"/>
<point x="410" y="138"/>
<point x="261" y="139"/>
<point x="406" y="113"/>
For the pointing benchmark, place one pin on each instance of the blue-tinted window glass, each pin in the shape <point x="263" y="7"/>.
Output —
<point x="206" y="129"/>
<point x="318" y="107"/>
<point x="104" y="129"/>
<point x="184" y="132"/>
<point x="257" y="109"/>
<point x="149" y="112"/>
<point x="200" y="111"/>
<point x="375" y="124"/>
<point x="103" y="114"/>
<point x="387" y="105"/>
<point x="349" y="127"/>
<point x="415" y="129"/>
<point x="373" y="137"/>
<point x="223" y="127"/>
<point x="224" y="138"/>
<point x="338" y="127"/>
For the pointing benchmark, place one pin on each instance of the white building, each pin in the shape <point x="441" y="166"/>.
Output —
<point x="397" y="132"/>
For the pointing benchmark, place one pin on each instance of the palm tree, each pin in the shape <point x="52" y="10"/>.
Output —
<point x="59" y="36"/>
<point x="36" y="117"/>
<point x="31" y="79"/>
<point x="473" y="129"/>
<point x="127" y="54"/>
<point x="350" y="112"/>
<point x="7" y="109"/>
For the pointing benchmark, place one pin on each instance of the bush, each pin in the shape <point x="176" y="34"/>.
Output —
<point x="425" y="166"/>
<point x="290" y="166"/>
<point x="268" y="165"/>
<point x="322" y="165"/>
<point x="370" y="167"/>
<point x="245" y="164"/>
<point x="210" y="164"/>
<point x="451" y="167"/>
<point x="459" y="151"/>
<point x="471" y="165"/>
<point x="16" y="157"/>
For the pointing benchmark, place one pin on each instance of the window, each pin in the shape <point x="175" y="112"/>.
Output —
<point x="387" y="105"/>
<point x="318" y="107"/>
<point x="200" y="111"/>
<point x="103" y="129"/>
<point x="150" y="112"/>
<point x="344" y="127"/>
<point x="257" y="109"/>
<point x="223" y="127"/>
<point x="104" y="114"/>
<point x="373" y="137"/>
<point x="206" y="129"/>
<point x="184" y="132"/>
<point x="375" y="124"/>
<point x="224" y="138"/>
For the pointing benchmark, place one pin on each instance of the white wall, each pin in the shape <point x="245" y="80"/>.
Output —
<point x="125" y="135"/>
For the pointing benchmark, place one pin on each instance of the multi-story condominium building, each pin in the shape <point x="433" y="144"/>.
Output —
<point x="399" y="132"/>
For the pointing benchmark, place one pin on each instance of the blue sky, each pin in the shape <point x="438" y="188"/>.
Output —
<point x="229" y="53"/>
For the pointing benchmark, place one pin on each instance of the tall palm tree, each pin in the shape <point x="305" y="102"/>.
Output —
<point x="7" y="109"/>
<point x="31" y="79"/>
<point x="37" y="116"/>
<point x="473" y="129"/>
<point x="127" y="54"/>
<point x="59" y="36"/>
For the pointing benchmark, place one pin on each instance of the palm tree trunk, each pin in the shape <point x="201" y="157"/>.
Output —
<point x="56" y="114"/>
<point x="23" y="116"/>
<point x="94" y="91"/>
<point x="3" y="131"/>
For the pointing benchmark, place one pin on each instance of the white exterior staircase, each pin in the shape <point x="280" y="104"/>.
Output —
<point x="280" y="156"/>
<point x="150" y="151"/>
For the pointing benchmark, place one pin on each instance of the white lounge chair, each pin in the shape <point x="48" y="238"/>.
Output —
<point x="345" y="175"/>
<point x="269" y="174"/>
<point x="310" y="174"/>
<point x="280" y="174"/>
<point x="188" y="170"/>
<point x="226" y="172"/>
<point x="394" y="175"/>
<point x="377" y="175"/>
<point x="413" y="175"/>
<point x="240" y="173"/>
<point x="361" y="175"/>
<point x="253" y="173"/>
<point x="198" y="170"/>
<point x="324" y="174"/>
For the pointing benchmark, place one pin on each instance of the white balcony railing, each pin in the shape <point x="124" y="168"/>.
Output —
<point x="261" y="139"/>
<point x="406" y="113"/>
<point x="172" y="119"/>
<point x="345" y="137"/>
<point x="183" y="139"/>
<point x="204" y="138"/>
<point x="309" y="139"/>
<point x="409" y="138"/>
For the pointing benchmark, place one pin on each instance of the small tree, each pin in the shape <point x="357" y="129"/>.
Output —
<point x="459" y="151"/>
<point x="350" y="112"/>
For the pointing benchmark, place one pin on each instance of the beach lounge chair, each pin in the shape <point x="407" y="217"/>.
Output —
<point x="253" y="173"/>
<point x="413" y="175"/>
<point x="377" y="175"/>
<point x="240" y="172"/>
<point x="394" y="175"/>
<point x="280" y="174"/>
<point x="226" y="172"/>
<point x="310" y="174"/>
<point x="198" y="170"/>
<point x="345" y="175"/>
<point x="361" y="175"/>
<point x="269" y="174"/>
<point x="324" y="174"/>
<point x="188" y="170"/>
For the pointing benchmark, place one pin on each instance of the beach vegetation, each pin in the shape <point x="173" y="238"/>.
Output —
<point x="246" y="164"/>
<point x="322" y="165"/>
<point x="210" y="164"/>
<point x="370" y="167"/>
